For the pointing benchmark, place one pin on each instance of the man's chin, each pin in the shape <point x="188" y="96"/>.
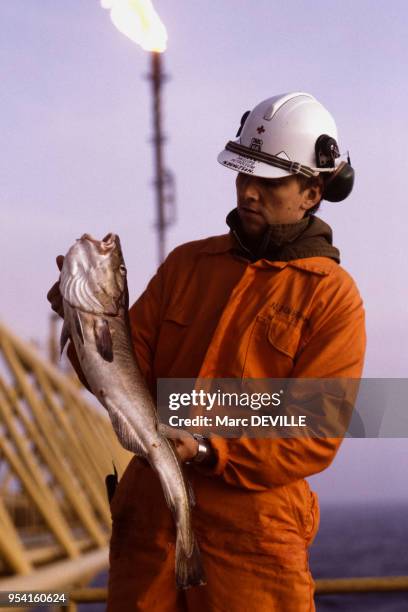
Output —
<point x="253" y="229"/>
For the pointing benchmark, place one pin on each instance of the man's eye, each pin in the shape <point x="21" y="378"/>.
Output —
<point x="275" y="183"/>
<point x="264" y="182"/>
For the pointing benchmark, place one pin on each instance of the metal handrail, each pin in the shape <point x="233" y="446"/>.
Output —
<point x="370" y="584"/>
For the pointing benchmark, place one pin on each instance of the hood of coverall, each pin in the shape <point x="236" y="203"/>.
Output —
<point x="309" y="237"/>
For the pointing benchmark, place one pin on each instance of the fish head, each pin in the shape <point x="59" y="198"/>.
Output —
<point x="93" y="276"/>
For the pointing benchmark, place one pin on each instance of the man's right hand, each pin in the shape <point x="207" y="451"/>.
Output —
<point x="54" y="296"/>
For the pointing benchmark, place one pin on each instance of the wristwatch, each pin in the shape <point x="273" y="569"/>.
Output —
<point x="204" y="449"/>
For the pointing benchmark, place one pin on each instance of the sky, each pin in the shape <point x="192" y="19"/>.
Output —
<point x="76" y="125"/>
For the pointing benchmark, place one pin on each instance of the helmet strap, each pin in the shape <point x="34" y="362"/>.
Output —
<point x="271" y="160"/>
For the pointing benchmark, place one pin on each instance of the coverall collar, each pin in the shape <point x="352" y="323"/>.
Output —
<point x="309" y="237"/>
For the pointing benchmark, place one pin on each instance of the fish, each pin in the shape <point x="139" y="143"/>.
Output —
<point x="93" y="286"/>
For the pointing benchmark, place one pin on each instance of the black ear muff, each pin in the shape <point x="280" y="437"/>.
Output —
<point x="339" y="184"/>
<point x="243" y="119"/>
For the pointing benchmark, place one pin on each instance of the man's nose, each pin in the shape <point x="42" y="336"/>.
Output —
<point x="248" y="188"/>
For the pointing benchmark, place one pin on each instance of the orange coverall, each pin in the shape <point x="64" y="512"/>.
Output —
<point x="210" y="313"/>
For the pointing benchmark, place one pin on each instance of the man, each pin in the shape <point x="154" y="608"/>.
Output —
<point x="266" y="300"/>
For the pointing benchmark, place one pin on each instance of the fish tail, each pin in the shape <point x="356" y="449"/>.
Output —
<point x="189" y="569"/>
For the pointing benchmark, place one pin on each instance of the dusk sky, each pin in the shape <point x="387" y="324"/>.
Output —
<point x="76" y="123"/>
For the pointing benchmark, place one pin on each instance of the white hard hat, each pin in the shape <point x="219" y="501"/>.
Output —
<point x="288" y="134"/>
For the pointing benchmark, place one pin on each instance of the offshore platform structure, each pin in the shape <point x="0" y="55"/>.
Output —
<point x="56" y="448"/>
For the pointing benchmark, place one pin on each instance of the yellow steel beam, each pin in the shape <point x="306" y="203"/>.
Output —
<point x="45" y="554"/>
<point x="61" y="575"/>
<point x="96" y="456"/>
<point x="23" y="448"/>
<point x="30" y="357"/>
<point x="69" y="388"/>
<point x="5" y="484"/>
<point x="362" y="585"/>
<point x="88" y="595"/>
<point x="91" y="424"/>
<point x="107" y="440"/>
<point x="54" y="519"/>
<point x="74" y="494"/>
<point x="334" y="585"/>
<point x="11" y="548"/>
<point x="81" y="453"/>
<point x="81" y="471"/>
<point x="55" y="459"/>
<point x="98" y="497"/>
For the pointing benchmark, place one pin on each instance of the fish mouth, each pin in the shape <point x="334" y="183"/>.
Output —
<point x="105" y="245"/>
<point x="109" y="238"/>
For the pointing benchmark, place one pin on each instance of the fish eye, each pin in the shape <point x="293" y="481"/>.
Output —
<point x="122" y="269"/>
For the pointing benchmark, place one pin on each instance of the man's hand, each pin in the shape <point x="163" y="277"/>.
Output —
<point x="54" y="296"/>
<point x="186" y="445"/>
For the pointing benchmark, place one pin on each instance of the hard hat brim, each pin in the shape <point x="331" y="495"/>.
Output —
<point x="246" y="165"/>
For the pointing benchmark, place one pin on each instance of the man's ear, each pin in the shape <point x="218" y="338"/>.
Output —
<point x="311" y="197"/>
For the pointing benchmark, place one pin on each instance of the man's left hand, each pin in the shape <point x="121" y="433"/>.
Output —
<point x="185" y="443"/>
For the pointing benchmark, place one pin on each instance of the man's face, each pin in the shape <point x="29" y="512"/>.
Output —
<point x="262" y="202"/>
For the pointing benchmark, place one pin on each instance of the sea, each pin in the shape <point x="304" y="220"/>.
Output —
<point x="353" y="540"/>
<point x="361" y="540"/>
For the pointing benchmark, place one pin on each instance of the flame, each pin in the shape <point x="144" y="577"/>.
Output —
<point x="138" y="20"/>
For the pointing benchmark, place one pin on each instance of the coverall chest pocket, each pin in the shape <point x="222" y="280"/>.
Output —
<point x="284" y="335"/>
<point x="273" y="346"/>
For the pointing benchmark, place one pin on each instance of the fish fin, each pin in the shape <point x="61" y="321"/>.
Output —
<point x="168" y="495"/>
<point x="169" y="432"/>
<point x="125" y="298"/>
<point x="166" y="430"/>
<point x="111" y="482"/>
<point x="189" y="569"/>
<point x="125" y="434"/>
<point x="78" y="326"/>
<point x="103" y="339"/>
<point x="65" y="334"/>
<point x="190" y="492"/>
<point x="166" y="484"/>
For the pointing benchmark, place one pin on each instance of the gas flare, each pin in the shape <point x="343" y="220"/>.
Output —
<point x="138" y="20"/>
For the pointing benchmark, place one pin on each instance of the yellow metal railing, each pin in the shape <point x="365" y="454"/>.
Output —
<point x="55" y="451"/>
<point x="332" y="586"/>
